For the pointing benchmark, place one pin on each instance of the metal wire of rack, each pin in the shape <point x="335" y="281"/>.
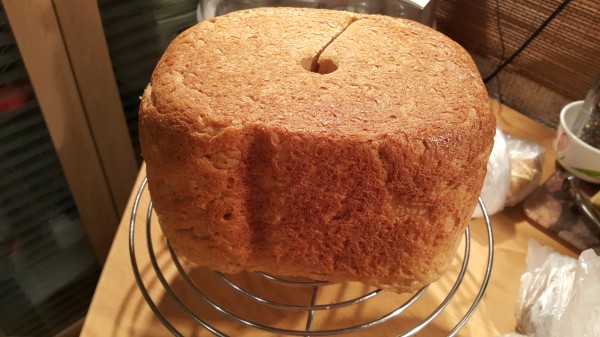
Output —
<point x="315" y="286"/>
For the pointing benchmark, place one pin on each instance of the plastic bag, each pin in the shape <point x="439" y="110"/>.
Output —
<point x="495" y="186"/>
<point x="581" y="318"/>
<point x="514" y="170"/>
<point x="526" y="162"/>
<point x="559" y="296"/>
<point x="545" y="289"/>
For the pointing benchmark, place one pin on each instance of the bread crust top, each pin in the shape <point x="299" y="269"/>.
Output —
<point x="392" y="76"/>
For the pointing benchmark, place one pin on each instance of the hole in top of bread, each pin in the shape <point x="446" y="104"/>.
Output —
<point x="326" y="67"/>
<point x="322" y="67"/>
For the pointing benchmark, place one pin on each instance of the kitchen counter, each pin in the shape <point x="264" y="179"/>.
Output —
<point x="118" y="308"/>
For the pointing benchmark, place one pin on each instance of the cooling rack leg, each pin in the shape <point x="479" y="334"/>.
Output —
<point x="313" y="301"/>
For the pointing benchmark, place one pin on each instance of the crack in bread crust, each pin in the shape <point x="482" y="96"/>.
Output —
<point x="315" y="64"/>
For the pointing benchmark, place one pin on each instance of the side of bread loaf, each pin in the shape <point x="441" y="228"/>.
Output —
<point x="367" y="171"/>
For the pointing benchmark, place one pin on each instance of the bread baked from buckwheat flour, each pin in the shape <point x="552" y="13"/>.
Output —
<point x="314" y="143"/>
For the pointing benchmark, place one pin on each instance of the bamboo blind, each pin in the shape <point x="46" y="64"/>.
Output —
<point x="559" y="66"/>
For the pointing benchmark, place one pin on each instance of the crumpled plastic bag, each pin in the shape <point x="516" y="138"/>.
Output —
<point x="581" y="318"/>
<point x="526" y="162"/>
<point x="496" y="184"/>
<point x="559" y="296"/>
<point x="545" y="289"/>
<point x="514" y="170"/>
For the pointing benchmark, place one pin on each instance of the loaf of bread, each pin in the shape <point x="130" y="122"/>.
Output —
<point x="320" y="144"/>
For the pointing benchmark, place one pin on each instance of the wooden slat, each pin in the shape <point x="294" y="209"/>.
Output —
<point x="39" y="39"/>
<point x="84" y="38"/>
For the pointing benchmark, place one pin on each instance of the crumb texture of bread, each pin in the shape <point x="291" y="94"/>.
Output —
<point x="323" y="144"/>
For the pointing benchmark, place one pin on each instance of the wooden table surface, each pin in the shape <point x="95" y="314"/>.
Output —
<point x="118" y="308"/>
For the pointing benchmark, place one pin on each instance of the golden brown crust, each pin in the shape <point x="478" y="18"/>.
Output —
<point x="367" y="173"/>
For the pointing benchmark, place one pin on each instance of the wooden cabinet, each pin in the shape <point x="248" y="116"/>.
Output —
<point x="71" y="73"/>
<point x="67" y="164"/>
<point x="66" y="57"/>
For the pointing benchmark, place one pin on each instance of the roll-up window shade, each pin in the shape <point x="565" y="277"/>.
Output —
<point x="558" y="66"/>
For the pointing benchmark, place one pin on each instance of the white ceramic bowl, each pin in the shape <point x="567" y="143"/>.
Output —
<point x="576" y="156"/>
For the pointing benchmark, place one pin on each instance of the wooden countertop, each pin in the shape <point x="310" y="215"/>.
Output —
<point x="118" y="308"/>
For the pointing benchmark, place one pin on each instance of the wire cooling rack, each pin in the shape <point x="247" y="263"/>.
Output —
<point x="311" y="310"/>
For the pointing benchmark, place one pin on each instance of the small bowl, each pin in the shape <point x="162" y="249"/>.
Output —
<point x="579" y="158"/>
